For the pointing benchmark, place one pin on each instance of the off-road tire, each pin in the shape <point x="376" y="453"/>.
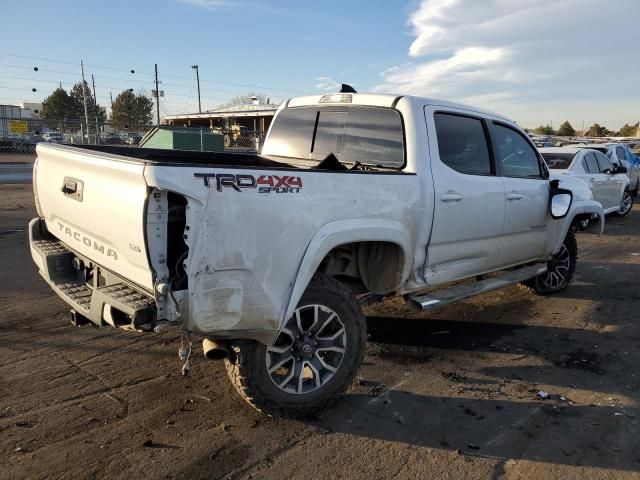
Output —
<point x="624" y="211"/>
<point x="537" y="285"/>
<point x="247" y="367"/>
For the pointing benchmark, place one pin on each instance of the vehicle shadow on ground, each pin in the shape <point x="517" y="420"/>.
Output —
<point x="594" y="282"/>
<point x="543" y="431"/>
<point x="573" y="358"/>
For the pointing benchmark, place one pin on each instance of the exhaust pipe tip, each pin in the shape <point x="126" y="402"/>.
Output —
<point x="215" y="350"/>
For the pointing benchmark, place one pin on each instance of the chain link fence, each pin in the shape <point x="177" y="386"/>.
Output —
<point x="17" y="198"/>
<point x="20" y="136"/>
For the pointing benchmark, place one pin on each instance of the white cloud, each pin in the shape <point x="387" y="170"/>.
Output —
<point x="525" y="58"/>
<point x="208" y="4"/>
<point x="328" y="84"/>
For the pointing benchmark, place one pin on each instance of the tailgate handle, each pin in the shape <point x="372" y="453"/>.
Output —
<point x="70" y="186"/>
<point x="73" y="188"/>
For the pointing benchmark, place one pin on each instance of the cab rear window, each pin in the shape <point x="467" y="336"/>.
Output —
<point x="558" y="161"/>
<point x="354" y="134"/>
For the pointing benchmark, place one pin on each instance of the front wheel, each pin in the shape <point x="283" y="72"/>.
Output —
<point x="559" y="269"/>
<point x="312" y="361"/>
<point x="626" y="204"/>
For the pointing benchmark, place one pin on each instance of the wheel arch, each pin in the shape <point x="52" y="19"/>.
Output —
<point x="373" y="237"/>
<point x="578" y="209"/>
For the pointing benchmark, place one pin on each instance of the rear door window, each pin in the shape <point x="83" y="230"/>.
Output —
<point x="591" y="163"/>
<point x="462" y="144"/>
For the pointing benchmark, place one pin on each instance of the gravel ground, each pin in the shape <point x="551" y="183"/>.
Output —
<point x="451" y="394"/>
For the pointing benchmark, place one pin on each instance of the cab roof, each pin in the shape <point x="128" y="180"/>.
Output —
<point x="385" y="100"/>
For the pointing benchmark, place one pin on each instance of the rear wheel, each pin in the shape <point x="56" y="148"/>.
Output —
<point x="312" y="361"/>
<point x="559" y="269"/>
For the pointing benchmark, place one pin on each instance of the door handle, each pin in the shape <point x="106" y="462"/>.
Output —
<point x="514" y="196"/>
<point x="592" y="180"/>
<point x="451" y="196"/>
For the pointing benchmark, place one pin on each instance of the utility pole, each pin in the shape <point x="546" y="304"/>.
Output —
<point x="84" y="101"/>
<point x="95" y="107"/>
<point x="195" y="67"/>
<point x="157" y="98"/>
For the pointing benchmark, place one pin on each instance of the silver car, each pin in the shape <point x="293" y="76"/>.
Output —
<point x="619" y="155"/>
<point x="608" y="182"/>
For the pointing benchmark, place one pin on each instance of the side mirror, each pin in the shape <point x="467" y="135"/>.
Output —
<point x="621" y="169"/>
<point x="561" y="200"/>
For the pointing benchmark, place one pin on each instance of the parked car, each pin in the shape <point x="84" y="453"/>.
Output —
<point x="609" y="183"/>
<point x="111" y="139"/>
<point x="264" y="255"/>
<point x="620" y="155"/>
<point x="53" y="137"/>
<point x="132" y="138"/>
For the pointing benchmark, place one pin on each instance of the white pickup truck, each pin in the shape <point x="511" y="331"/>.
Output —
<point x="353" y="197"/>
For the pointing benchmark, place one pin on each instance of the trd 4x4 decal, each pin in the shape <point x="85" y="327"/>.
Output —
<point x="264" y="183"/>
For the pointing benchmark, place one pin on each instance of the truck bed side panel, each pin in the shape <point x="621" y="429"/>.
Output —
<point x="248" y="237"/>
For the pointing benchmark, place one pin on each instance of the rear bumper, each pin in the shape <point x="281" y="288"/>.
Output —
<point x="92" y="292"/>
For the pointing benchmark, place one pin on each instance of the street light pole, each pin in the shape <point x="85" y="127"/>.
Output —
<point x="195" y="67"/>
<point x="157" y="98"/>
<point x="84" y="100"/>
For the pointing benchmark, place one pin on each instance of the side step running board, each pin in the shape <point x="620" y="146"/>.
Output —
<point x="440" y="298"/>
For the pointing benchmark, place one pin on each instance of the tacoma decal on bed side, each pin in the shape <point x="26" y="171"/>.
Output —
<point x="240" y="181"/>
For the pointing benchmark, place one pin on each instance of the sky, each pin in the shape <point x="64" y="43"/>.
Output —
<point x="535" y="61"/>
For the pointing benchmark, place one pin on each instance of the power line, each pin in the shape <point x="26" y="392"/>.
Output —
<point x="262" y="87"/>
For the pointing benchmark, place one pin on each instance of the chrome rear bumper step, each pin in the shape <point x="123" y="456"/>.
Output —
<point x="440" y="298"/>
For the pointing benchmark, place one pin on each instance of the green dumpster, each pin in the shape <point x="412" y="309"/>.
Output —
<point x="183" y="138"/>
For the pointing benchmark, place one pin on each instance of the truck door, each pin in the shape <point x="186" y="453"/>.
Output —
<point x="594" y="178"/>
<point x="469" y="197"/>
<point x="613" y="185"/>
<point x="526" y="232"/>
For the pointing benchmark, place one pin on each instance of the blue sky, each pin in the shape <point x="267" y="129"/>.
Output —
<point x="537" y="61"/>
<point x="284" y="46"/>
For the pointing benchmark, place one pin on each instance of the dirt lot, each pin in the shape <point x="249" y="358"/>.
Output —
<point x="446" y="395"/>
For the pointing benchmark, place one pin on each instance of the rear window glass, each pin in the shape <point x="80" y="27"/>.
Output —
<point x="559" y="161"/>
<point x="462" y="144"/>
<point x="368" y="135"/>
<point x="292" y="132"/>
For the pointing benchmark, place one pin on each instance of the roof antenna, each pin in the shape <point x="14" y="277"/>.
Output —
<point x="346" y="88"/>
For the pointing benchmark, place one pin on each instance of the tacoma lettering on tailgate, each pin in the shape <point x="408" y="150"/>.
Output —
<point x="82" y="238"/>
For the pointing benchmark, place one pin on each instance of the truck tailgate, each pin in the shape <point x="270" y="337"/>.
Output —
<point x="95" y="203"/>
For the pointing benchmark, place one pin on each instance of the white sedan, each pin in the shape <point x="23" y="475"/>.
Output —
<point x="609" y="184"/>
